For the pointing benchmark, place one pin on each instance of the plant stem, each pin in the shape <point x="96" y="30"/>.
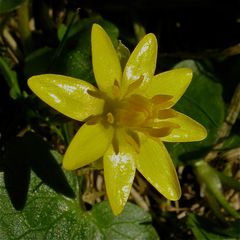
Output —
<point x="210" y="180"/>
<point x="224" y="131"/>
<point x="68" y="131"/>
<point x="63" y="41"/>
<point x="23" y="24"/>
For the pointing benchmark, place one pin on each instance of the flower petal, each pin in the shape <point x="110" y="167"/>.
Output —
<point x="106" y="65"/>
<point x="89" y="144"/>
<point x="141" y="64"/>
<point x="67" y="95"/>
<point x="189" y="130"/>
<point x="173" y="83"/>
<point x="119" y="172"/>
<point x="155" y="164"/>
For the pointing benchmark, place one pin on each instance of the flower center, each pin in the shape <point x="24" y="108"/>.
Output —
<point x="136" y="113"/>
<point x="133" y="113"/>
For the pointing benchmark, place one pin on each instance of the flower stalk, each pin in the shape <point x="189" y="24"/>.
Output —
<point x="212" y="185"/>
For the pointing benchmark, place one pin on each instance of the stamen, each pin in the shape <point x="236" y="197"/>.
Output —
<point x="162" y="101"/>
<point x="96" y="94"/>
<point x="136" y="84"/>
<point x="159" y="129"/>
<point x="158" y="99"/>
<point x="163" y="124"/>
<point x="167" y="113"/>
<point x="116" y="89"/>
<point x="93" y="120"/>
<point x="139" y="103"/>
<point x="133" y="139"/>
<point x="115" y="144"/>
<point x="156" y="132"/>
<point x="159" y="132"/>
<point x="110" y="118"/>
<point x="130" y="118"/>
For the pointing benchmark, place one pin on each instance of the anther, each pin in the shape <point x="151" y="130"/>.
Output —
<point x="110" y="118"/>
<point x="162" y="101"/>
<point x="116" y="89"/>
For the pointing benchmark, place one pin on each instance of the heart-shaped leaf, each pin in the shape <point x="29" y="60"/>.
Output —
<point x="203" y="102"/>
<point x="48" y="215"/>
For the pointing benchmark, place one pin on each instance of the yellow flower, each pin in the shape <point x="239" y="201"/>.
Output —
<point x="126" y="119"/>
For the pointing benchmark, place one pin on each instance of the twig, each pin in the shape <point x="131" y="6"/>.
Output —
<point x="233" y="112"/>
<point x="209" y="53"/>
<point x="139" y="199"/>
<point x="224" y="131"/>
<point x="231" y="154"/>
<point x="10" y="41"/>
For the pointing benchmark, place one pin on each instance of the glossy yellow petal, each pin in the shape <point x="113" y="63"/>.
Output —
<point x="67" y="95"/>
<point x="173" y="83"/>
<point x="141" y="65"/>
<point x="119" y="172"/>
<point x="89" y="144"/>
<point x="106" y="65"/>
<point x="189" y="130"/>
<point x="157" y="167"/>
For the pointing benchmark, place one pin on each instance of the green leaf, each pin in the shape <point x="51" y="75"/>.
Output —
<point x="31" y="152"/>
<point x="62" y="28"/>
<point x="203" y="102"/>
<point x="38" y="61"/>
<point x="48" y="215"/>
<point x="123" y="54"/>
<point x="139" y="30"/>
<point x="43" y="163"/>
<point x="75" y="58"/>
<point x="9" y="5"/>
<point x="232" y="142"/>
<point x="133" y="223"/>
<point x="211" y="182"/>
<point x="203" y="97"/>
<point x="229" y="182"/>
<point x="16" y="172"/>
<point x="203" y="229"/>
<point x="10" y="77"/>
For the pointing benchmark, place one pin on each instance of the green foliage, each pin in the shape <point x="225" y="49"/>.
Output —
<point x="9" y="5"/>
<point x="123" y="53"/>
<point x="21" y="157"/>
<point x="48" y="215"/>
<point x="203" y="229"/>
<point x="133" y="223"/>
<point x="32" y="66"/>
<point x="75" y="58"/>
<point x="10" y="77"/>
<point x="16" y="172"/>
<point x="203" y="102"/>
<point x="211" y="183"/>
<point x="73" y="55"/>
<point x="232" y="142"/>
